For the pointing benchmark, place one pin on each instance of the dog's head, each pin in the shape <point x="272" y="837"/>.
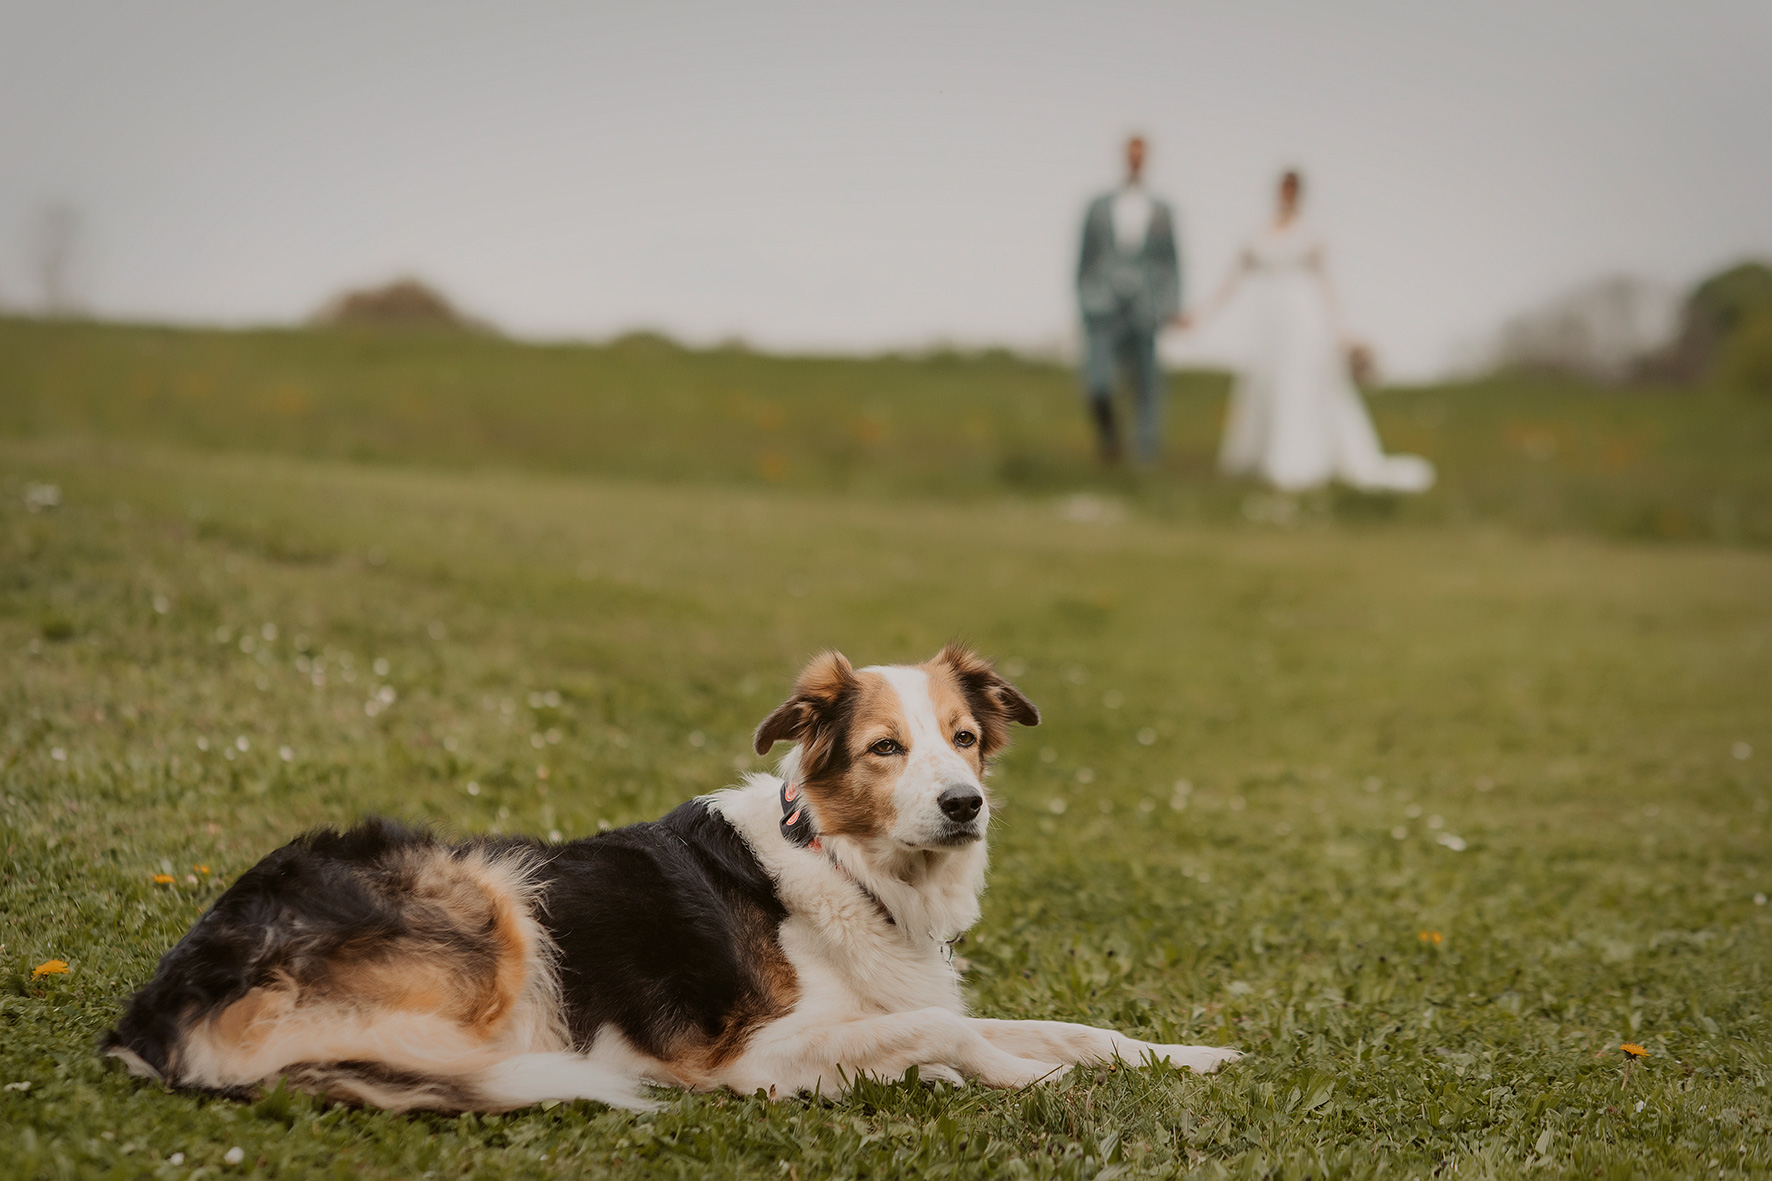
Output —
<point x="898" y="752"/>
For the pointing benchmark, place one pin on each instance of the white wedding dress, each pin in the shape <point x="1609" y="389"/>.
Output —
<point x="1296" y="419"/>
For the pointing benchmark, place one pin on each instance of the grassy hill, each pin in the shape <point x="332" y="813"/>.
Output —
<point x="1540" y="454"/>
<point x="1428" y="805"/>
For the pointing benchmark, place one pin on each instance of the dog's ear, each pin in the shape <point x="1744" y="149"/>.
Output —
<point x="994" y="702"/>
<point x="822" y="692"/>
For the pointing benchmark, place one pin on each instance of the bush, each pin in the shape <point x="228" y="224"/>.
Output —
<point x="1747" y="359"/>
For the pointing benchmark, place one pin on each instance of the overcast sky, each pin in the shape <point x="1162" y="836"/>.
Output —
<point x="845" y="177"/>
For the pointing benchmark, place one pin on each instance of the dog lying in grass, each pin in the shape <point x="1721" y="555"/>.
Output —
<point x="788" y="935"/>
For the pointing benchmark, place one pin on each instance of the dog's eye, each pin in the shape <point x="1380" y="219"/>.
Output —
<point x="886" y="747"/>
<point x="965" y="738"/>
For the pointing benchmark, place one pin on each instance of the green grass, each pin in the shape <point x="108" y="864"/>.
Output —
<point x="1536" y="455"/>
<point x="1339" y="694"/>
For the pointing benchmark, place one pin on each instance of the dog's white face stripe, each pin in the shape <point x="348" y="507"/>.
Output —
<point x="931" y="764"/>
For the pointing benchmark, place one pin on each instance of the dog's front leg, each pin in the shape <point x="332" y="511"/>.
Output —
<point x="1062" y="1041"/>
<point x="794" y="1057"/>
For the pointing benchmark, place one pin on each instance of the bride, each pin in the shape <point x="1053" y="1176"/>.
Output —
<point x="1296" y="418"/>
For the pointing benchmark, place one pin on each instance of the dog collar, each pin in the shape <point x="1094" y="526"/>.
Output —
<point x="796" y="827"/>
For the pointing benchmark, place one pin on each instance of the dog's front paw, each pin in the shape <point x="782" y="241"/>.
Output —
<point x="935" y="1072"/>
<point x="1204" y="1059"/>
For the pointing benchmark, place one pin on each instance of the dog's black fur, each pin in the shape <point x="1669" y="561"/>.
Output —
<point x="650" y="924"/>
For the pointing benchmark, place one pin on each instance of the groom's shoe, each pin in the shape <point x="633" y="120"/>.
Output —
<point x="1103" y="410"/>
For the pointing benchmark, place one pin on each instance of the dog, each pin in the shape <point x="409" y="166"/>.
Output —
<point x="788" y="935"/>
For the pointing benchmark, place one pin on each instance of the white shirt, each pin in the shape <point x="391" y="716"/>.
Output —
<point x="1132" y="217"/>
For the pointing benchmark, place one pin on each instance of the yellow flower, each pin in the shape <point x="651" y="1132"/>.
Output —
<point x="50" y="968"/>
<point x="163" y="879"/>
<point x="202" y="869"/>
<point x="1433" y="937"/>
<point x="1634" y="1050"/>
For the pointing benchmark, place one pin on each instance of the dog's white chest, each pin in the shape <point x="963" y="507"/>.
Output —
<point x="866" y="972"/>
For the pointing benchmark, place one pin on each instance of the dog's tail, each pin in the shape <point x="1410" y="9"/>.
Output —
<point x="519" y="1081"/>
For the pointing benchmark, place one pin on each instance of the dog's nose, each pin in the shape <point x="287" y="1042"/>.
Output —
<point x="960" y="803"/>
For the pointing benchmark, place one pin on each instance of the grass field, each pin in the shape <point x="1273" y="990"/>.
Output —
<point x="1429" y="806"/>
<point x="1537" y="455"/>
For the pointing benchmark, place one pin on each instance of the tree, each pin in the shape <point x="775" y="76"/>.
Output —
<point x="1725" y="326"/>
<point x="53" y="241"/>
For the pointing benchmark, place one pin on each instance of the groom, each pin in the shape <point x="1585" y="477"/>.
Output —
<point x="1128" y="286"/>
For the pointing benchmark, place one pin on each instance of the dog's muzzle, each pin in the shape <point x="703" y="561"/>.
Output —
<point x="961" y="805"/>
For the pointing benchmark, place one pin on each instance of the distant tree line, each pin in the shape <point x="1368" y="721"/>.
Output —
<point x="1627" y="331"/>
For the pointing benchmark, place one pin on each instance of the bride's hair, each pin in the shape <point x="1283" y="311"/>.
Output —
<point x="1292" y="181"/>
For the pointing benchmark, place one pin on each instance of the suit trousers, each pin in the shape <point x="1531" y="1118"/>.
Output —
<point x="1114" y="343"/>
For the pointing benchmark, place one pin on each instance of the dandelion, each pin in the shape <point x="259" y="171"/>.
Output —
<point x="50" y="968"/>
<point x="1634" y="1050"/>
<point x="1433" y="937"/>
<point x="163" y="879"/>
<point x="234" y="1155"/>
<point x="202" y="869"/>
<point x="177" y="1158"/>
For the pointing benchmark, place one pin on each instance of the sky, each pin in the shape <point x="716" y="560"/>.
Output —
<point x="840" y="177"/>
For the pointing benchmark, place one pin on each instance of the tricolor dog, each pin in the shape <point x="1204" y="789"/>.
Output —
<point x="790" y="934"/>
